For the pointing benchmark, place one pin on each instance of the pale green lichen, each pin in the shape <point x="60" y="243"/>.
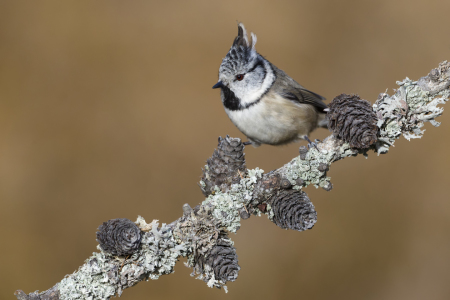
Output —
<point x="269" y="212"/>
<point x="406" y="111"/>
<point x="103" y="276"/>
<point x="308" y="169"/>
<point x="159" y="252"/>
<point x="227" y="205"/>
<point x="90" y="281"/>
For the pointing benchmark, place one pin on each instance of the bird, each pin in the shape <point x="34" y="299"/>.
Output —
<point x="262" y="101"/>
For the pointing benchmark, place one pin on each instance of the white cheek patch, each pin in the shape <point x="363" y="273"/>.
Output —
<point x="255" y="94"/>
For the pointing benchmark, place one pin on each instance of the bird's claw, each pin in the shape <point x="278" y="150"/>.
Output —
<point x="312" y="144"/>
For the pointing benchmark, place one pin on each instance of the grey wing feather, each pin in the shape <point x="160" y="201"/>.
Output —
<point x="292" y="90"/>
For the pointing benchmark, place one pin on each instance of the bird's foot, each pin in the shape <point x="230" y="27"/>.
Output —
<point x="312" y="144"/>
<point x="247" y="143"/>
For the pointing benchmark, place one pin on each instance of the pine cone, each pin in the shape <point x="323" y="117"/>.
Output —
<point x="223" y="166"/>
<point x="292" y="209"/>
<point x="353" y="120"/>
<point x="221" y="259"/>
<point x="119" y="237"/>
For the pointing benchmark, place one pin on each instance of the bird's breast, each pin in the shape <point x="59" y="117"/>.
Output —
<point x="275" y="120"/>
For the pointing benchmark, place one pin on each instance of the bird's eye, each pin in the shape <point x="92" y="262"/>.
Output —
<point x="240" y="77"/>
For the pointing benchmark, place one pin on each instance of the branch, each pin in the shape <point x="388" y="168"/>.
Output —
<point x="132" y="253"/>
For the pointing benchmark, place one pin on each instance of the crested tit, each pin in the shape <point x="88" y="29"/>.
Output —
<point x="264" y="103"/>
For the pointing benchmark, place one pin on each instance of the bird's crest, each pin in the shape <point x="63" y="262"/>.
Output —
<point x="242" y="52"/>
<point x="242" y="39"/>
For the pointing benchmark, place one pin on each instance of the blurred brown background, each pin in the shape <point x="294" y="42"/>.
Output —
<point x="107" y="111"/>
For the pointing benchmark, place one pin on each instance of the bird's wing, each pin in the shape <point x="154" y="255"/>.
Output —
<point x="289" y="89"/>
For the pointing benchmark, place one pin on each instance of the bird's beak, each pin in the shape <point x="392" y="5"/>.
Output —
<point x="218" y="85"/>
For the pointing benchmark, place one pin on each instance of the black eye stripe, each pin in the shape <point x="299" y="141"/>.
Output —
<point x="259" y="63"/>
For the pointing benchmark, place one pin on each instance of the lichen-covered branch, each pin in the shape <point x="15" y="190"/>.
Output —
<point x="130" y="253"/>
